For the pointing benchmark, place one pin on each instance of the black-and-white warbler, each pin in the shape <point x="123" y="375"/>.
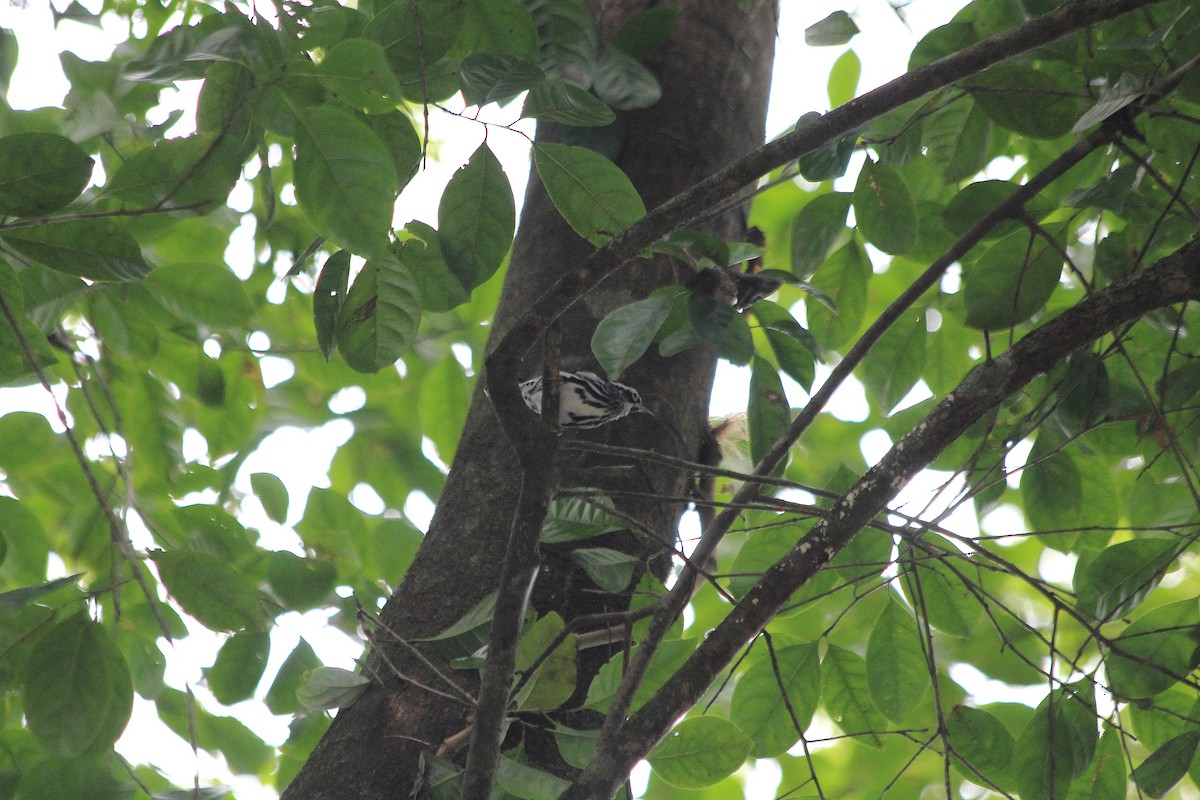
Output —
<point x="585" y="400"/>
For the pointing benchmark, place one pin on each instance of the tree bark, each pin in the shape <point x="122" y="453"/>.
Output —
<point x="715" y="73"/>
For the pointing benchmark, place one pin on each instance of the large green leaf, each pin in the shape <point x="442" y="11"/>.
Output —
<point x="1027" y="100"/>
<point x="1116" y="582"/>
<point x="699" y="752"/>
<point x="192" y="173"/>
<point x="357" y="73"/>
<point x="77" y="690"/>
<point x="17" y="345"/>
<point x="281" y="697"/>
<point x="846" y="695"/>
<point x="884" y="209"/>
<point x="560" y="101"/>
<point x="415" y="35"/>
<point x="896" y="362"/>
<point x="210" y="589"/>
<point x="380" y="315"/>
<point x="592" y="193"/>
<point x="759" y="708"/>
<point x="1167" y="765"/>
<point x="1056" y="745"/>
<point x="817" y="229"/>
<point x="240" y="663"/>
<point x="843" y="279"/>
<point x="477" y="218"/>
<point x="345" y="178"/>
<point x="1155" y="652"/>
<point x="1011" y="281"/>
<point x="767" y="411"/>
<point x="97" y="249"/>
<point x="40" y="173"/>
<point x="204" y="294"/>
<point x="897" y="673"/>
<point x="328" y="298"/>
<point x="623" y="336"/>
<point x="983" y="744"/>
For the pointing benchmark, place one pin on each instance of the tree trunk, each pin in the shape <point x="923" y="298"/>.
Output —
<point x="715" y="74"/>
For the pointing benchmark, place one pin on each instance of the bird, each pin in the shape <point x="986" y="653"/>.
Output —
<point x="585" y="400"/>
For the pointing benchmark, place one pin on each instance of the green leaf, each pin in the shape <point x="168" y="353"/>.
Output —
<point x="554" y="682"/>
<point x="1051" y="488"/>
<point x="843" y="78"/>
<point x="328" y="298"/>
<point x="240" y="663"/>
<point x="829" y="161"/>
<point x="895" y="364"/>
<point x="345" y="178"/>
<point x="398" y="135"/>
<point x="273" y="495"/>
<point x="209" y="589"/>
<point x="957" y="138"/>
<point x="357" y="73"/>
<point x="1167" y="765"/>
<point x="669" y="657"/>
<point x="722" y="329"/>
<point x="98" y="249"/>
<point x="1116" y="581"/>
<point x="379" y="318"/>
<point x="592" y="193"/>
<point x="421" y="253"/>
<point x="281" y="697"/>
<point x="1109" y="193"/>
<point x="1011" y="281"/>
<point x="300" y="583"/>
<point x="699" y="752"/>
<point x="477" y="219"/>
<point x="1104" y="778"/>
<point x="623" y="336"/>
<point x="476" y="617"/>
<point x="767" y="411"/>
<point x="14" y="362"/>
<point x="611" y="570"/>
<point x="1056" y="745"/>
<point x="817" y="229"/>
<point x="15" y="600"/>
<point x="40" y="173"/>
<point x="1154" y="652"/>
<point x="624" y="84"/>
<point x="330" y="687"/>
<point x="209" y="295"/>
<point x="443" y="401"/>
<point x="78" y="695"/>
<point x="846" y="695"/>
<point x="1029" y="101"/>
<point x="528" y="783"/>
<point x="982" y="742"/>
<point x="497" y="77"/>
<point x="571" y="519"/>
<point x="843" y="279"/>
<point x="193" y="173"/>
<point x="836" y="29"/>
<point x="758" y="707"/>
<point x="884" y="209"/>
<point x="415" y="35"/>
<point x="560" y="101"/>
<point x="897" y="674"/>
<point x="941" y="595"/>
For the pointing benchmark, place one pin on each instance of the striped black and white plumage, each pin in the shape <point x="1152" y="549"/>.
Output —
<point x="585" y="400"/>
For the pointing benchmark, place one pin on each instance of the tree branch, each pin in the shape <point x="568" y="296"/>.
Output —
<point x="1174" y="279"/>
